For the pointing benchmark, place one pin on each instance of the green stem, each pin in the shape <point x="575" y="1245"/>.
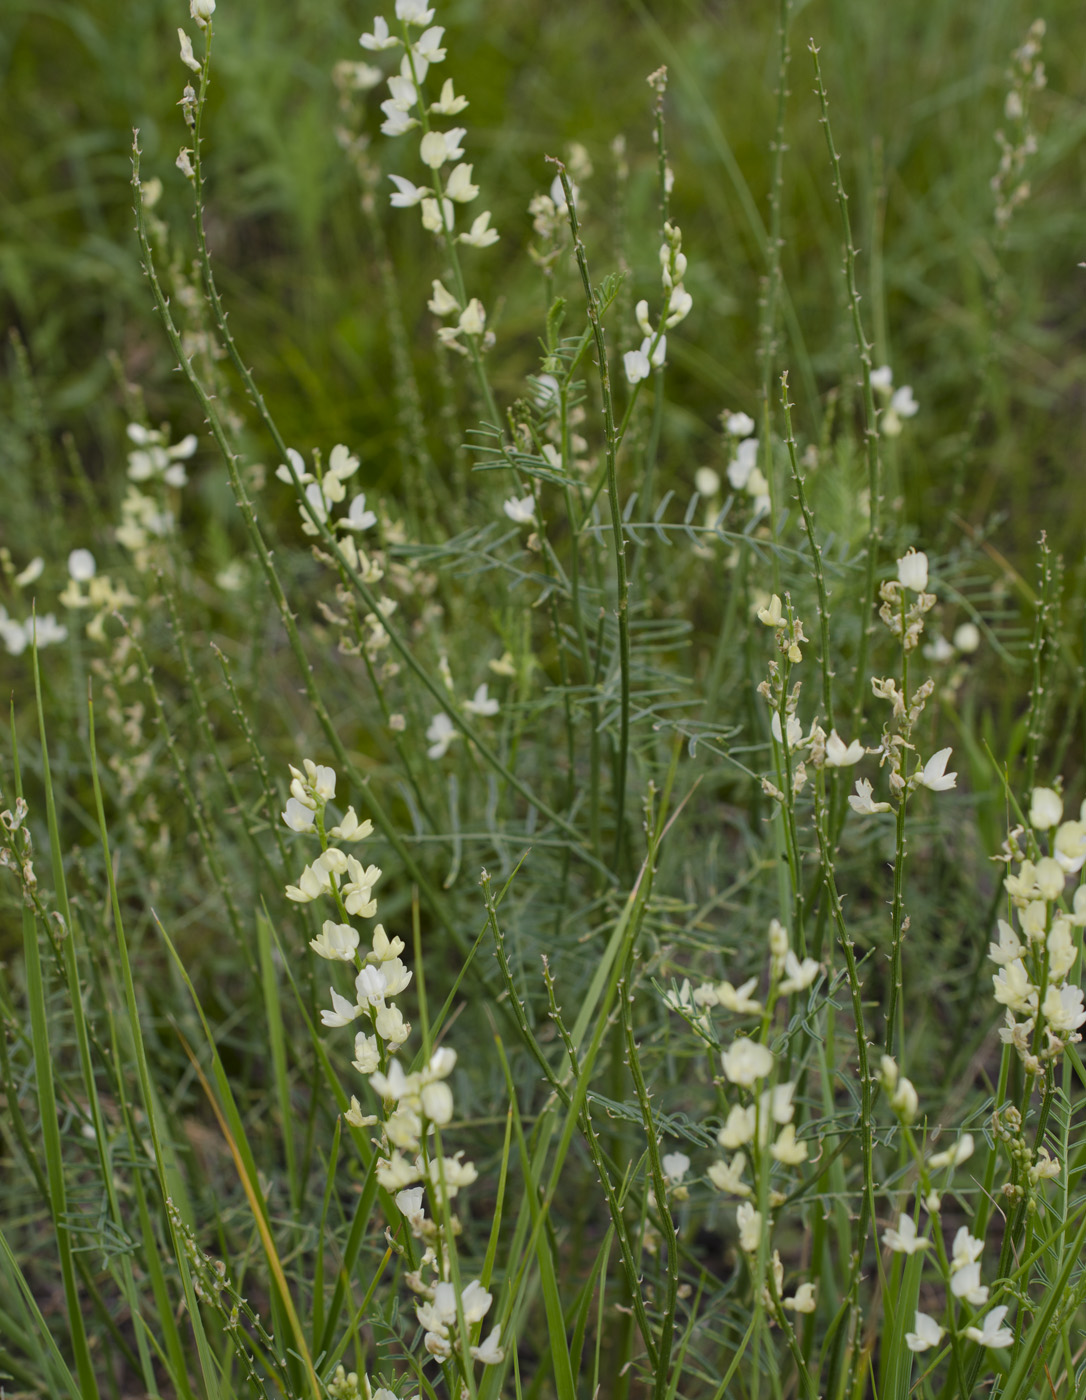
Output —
<point x="611" y="449"/>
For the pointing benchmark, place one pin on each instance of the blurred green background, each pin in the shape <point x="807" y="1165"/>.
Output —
<point x="989" y="329"/>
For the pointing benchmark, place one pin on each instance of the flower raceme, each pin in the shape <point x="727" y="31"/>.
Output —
<point x="416" y="1104"/>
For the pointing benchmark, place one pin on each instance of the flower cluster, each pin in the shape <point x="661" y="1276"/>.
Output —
<point x="417" y="1104"/>
<point x="899" y="403"/>
<point x="758" y="1129"/>
<point x="744" y="473"/>
<point x="961" y="1269"/>
<point x="678" y="302"/>
<point x="1009" y="184"/>
<point x="437" y="201"/>
<point x="1036" y="960"/>
<point x="147" y="514"/>
<point x="906" y="600"/>
<point x="16" y="635"/>
<point x="101" y="597"/>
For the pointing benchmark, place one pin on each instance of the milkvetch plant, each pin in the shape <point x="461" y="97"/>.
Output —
<point x="664" y="976"/>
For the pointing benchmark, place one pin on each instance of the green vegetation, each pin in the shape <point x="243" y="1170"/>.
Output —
<point x="645" y="647"/>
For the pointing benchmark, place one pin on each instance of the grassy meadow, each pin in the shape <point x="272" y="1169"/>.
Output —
<point x="542" y="600"/>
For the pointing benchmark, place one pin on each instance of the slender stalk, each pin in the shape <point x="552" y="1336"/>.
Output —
<point x="611" y="451"/>
<point x="871" y="430"/>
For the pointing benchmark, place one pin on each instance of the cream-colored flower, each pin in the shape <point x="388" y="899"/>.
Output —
<point x="746" y="1061"/>
<point x="749" y="1222"/>
<point x="904" y="1240"/>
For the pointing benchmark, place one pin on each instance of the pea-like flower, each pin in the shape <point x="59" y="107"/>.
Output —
<point x="904" y="1240"/>
<point x="746" y="1061"/>
<point x="928" y="1333"/>
<point x="991" y="1332"/>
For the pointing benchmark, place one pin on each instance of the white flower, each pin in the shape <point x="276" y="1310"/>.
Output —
<point x="481" y="235"/>
<point x="739" y="425"/>
<point x="743" y="463"/>
<point x="459" y="187"/>
<point x="967" y="637"/>
<point x="1069" y="848"/>
<point x="786" y="1149"/>
<point x="965" y="1250"/>
<point x="1012" y="988"/>
<point x="679" y="304"/>
<point x="1063" y="1009"/>
<point x="928" y="1333"/>
<point x="934" y="775"/>
<point x="407" y="194"/>
<point x="404" y="92"/>
<point x="380" y="38"/>
<point x="1045" y="808"/>
<point x="481" y="703"/>
<point x="337" y="942"/>
<point x="903" y="404"/>
<point x="793" y="729"/>
<point x="728" y="1176"/>
<point x="33" y="571"/>
<point x="81" y="565"/>
<point x="912" y="570"/>
<point x="745" y="1061"/>
<point x="882" y="379"/>
<point x="187" y="57"/>
<point x="413" y="12"/>
<point x="770" y="616"/>
<point x="201" y="10"/>
<point x="904" y="1100"/>
<point x="904" y="1240"/>
<point x="311" y="885"/>
<point x="448" y="104"/>
<point x="342" y="1013"/>
<point x="437" y="147"/>
<point x="436" y="218"/>
<point x="804" y="1301"/>
<point x="473" y="318"/>
<point x="749" y="1222"/>
<point x="298" y="816"/>
<point x="428" y="46"/>
<point x="358" y="517"/>
<point x="737" y="1000"/>
<point x="489" y="1352"/>
<point x="637" y="367"/>
<point x="706" y="481"/>
<point x="520" y="511"/>
<point x="442" y="302"/>
<point x="842" y="755"/>
<point x="396" y="122"/>
<point x="939" y="649"/>
<point x="739" y="1129"/>
<point x="991" y="1332"/>
<point x="965" y="1283"/>
<point x="799" y="975"/>
<point x="441" y="733"/>
<point x="675" y="1165"/>
<point x="1008" y="949"/>
<point x="861" y="801"/>
<point x="367" y="1055"/>
<point x="953" y="1156"/>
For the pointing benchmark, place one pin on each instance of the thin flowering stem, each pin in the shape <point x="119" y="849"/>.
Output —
<point x="256" y="537"/>
<point x="867" y="1212"/>
<point x="659" y="1186"/>
<point x="824" y="660"/>
<point x="871" y="430"/>
<point x="767" y="321"/>
<point x="611" y="451"/>
<point x="449" y="239"/>
<point x="406" y="651"/>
